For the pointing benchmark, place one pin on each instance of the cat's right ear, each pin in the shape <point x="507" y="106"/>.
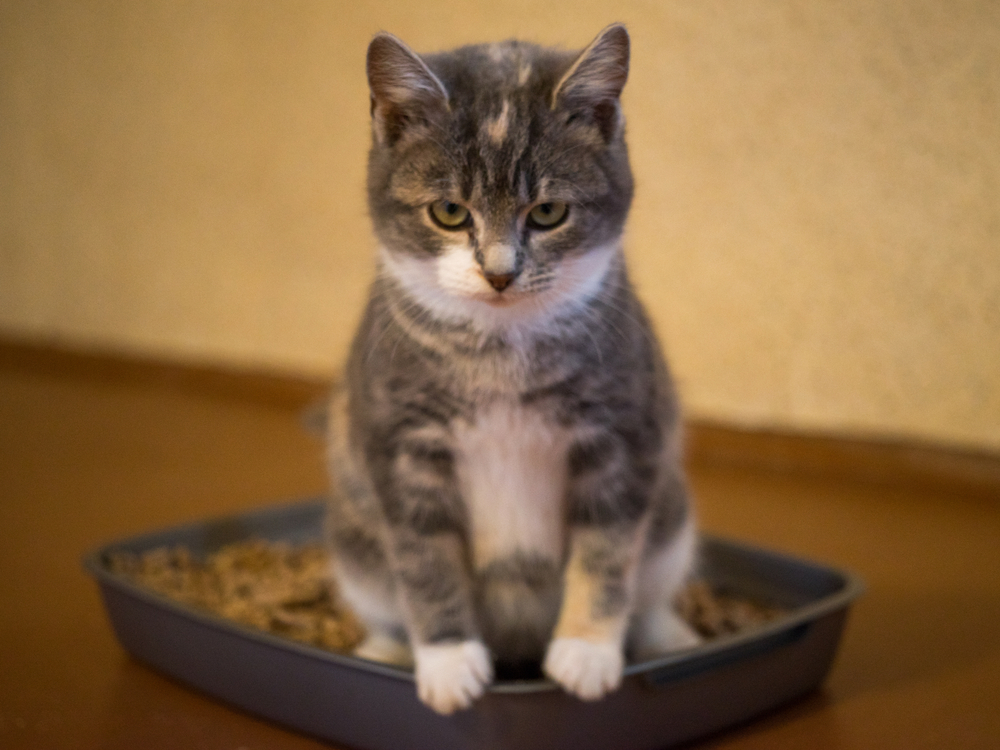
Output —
<point x="405" y="93"/>
<point x="594" y="82"/>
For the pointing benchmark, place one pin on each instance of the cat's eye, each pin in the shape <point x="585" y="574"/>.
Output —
<point x="450" y="215"/>
<point x="547" y="215"/>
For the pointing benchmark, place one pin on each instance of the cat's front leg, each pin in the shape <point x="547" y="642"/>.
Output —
<point x="427" y="550"/>
<point x="451" y="664"/>
<point x="586" y="654"/>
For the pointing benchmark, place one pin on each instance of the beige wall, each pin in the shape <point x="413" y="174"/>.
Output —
<point x="816" y="230"/>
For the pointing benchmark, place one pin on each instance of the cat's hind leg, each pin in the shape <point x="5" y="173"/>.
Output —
<point x="372" y="600"/>
<point x="359" y="569"/>
<point x="657" y="631"/>
<point x="656" y="628"/>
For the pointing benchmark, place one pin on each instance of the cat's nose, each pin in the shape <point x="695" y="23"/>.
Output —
<point x="500" y="264"/>
<point x="500" y="281"/>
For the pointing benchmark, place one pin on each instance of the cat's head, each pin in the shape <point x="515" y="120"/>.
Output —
<point x="498" y="177"/>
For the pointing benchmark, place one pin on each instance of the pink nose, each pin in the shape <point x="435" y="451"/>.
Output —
<point x="499" y="281"/>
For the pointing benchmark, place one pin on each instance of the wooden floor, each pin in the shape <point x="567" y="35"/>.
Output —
<point x="92" y="451"/>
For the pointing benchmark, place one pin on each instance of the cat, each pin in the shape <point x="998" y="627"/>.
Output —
<point x="505" y="447"/>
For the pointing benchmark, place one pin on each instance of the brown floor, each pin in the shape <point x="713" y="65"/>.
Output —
<point x="90" y="453"/>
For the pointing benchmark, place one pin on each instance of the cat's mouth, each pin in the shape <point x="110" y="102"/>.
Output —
<point x="502" y="299"/>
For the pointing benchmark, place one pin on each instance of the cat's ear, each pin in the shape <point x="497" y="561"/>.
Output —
<point x="404" y="90"/>
<point x="594" y="82"/>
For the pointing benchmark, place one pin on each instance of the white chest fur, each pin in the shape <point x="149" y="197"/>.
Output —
<point x="511" y="469"/>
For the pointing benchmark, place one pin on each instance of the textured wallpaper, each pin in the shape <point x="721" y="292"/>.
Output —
<point x="816" y="228"/>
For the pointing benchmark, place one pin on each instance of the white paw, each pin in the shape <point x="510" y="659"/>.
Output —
<point x="586" y="669"/>
<point x="451" y="676"/>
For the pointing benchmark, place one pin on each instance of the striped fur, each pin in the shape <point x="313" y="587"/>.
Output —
<point x="505" y="451"/>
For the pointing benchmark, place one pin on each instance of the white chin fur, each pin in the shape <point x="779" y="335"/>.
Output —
<point x="452" y="287"/>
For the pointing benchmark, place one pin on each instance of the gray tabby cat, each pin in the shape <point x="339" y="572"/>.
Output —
<point x="506" y="461"/>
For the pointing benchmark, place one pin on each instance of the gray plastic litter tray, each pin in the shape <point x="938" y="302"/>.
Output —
<point x="354" y="703"/>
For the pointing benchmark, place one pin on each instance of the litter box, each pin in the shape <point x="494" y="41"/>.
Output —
<point x="353" y="703"/>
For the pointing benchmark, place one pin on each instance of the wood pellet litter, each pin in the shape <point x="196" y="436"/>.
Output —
<point x="285" y="590"/>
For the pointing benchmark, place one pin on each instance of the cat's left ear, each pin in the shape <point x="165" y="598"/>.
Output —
<point x="404" y="91"/>
<point x="594" y="82"/>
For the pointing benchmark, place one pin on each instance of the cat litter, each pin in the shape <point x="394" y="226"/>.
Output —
<point x="286" y="590"/>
